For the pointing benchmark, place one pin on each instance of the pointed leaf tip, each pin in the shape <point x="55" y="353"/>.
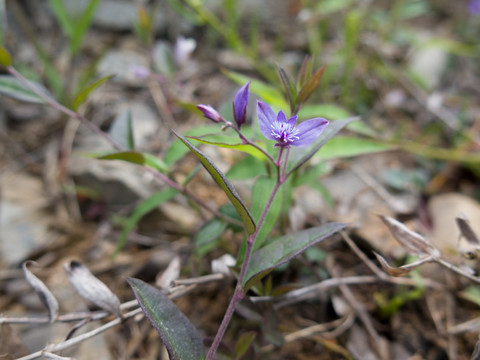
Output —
<point x="224" y="184"/>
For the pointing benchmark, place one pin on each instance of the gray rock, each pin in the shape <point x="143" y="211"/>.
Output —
<point x="123" y="63"/>
<point x="23" y="223"/>
<point x="428" y="63"/>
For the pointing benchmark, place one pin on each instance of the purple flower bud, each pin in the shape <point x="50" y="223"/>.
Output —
<point x="210" y="113"/>
<point x="240" y="102"/>
<point x="283" y="131"/>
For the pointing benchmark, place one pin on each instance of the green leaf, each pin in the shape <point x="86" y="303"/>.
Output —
<point x="155" y="162"/>
<point x="310" y="86"/>
<point x="181" y="338"/>
<point x="471" y="293"/>
<point x="81" y="26"/>
<point x="283" y="249"/>
<point x="177" y="150"/>
<point x="142" y="209"/>
<point x="328" y="111"/>
<point x="299" y="156"/>
<point x="246" y="148"/>
<point x="305" y="71"/>
<point x="224" y="184"/>
<point x="327" y="7"/>
<point x="137" y="158"/>
<point x="266" y="92"/>
<point x="82" y="96"/>
<point x="334" y="112"/>
<point x="244" y="343"/>
<point x="345" y="146"/>
<point x="62" y="16"/>
<point x="205" y="238"/>
<point x="121" y="130"/>
<point x="247" y="168"/>
<point x="449" y="45"/>
<point x="12" y="87"/>
<point x="5" y="58"/>
<point x="290" y="88"/>
<point x="261" y="193"/>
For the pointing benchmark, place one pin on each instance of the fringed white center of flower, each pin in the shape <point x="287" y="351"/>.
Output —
<point x="284" y="132"/>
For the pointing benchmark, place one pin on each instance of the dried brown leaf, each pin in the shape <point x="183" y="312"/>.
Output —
<point x="410" y="240"/>
<point x="170" y="274"/>
<point x="91" y="288"/>
<point x="310" y="86"/>
<point x="43" y="292"/>
<point x="392" y="271"/>
<point x="466" y="230"/>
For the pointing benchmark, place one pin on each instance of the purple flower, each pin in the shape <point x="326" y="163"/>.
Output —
<point x="283" y="131"/>
<point x="240" y="102"/>
<point x="210" y="113"/>
<point x="474" y="7"/>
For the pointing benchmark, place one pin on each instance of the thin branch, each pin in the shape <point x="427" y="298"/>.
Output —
<point x="457" y="270"/>
<point x="339" y="326"/>
<point x="311" y="291"/>
<point x="380" y="343"/>
<point x="80" y="338"/>
<point x="115" y="145"/>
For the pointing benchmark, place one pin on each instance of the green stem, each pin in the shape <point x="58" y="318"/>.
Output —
<point x="249" y="142"/>
<point x="239" y="292"/>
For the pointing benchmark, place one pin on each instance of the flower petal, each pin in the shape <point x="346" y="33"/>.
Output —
<point x="292" y="120"/>
<point x="281" y="117"/>
<point x="240" y="102"/>
<point x="266" y="117"/>
<point x="309" y="130"/>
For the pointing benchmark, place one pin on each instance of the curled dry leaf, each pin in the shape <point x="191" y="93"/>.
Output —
<point x="412" y="241"/>
<point x="171" y="273"/>
<point x="404" y="269"/>
<point x="223" y="264"/>
<point x="91" y="288"/>
<point x="45" y="295"/>
<point x="392" y="271"/>
<point x="466" y="230"/>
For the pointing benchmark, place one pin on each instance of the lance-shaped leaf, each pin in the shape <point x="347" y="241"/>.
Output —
<point x="10" y="86"/>
<point x="91" y="288"/>
<point x="290" y="89"/>
<point x="412" y="241"/>
<point x="143" y="208"/>
<point x="121" y="130"/>
<point x="299" y="156"/>
<point x="305" y="71"/>
<point x="45" y="295"/>
<point x="82" y="96"/>
<point x="226" y="186"/>
<point x="181" y="338"/>
<point x="227" y="143"/>
<point x="5" y="58"/>
<point x="283" y="249"/>
<point x="310" y="86"/>
<point x="137" y="158"/>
